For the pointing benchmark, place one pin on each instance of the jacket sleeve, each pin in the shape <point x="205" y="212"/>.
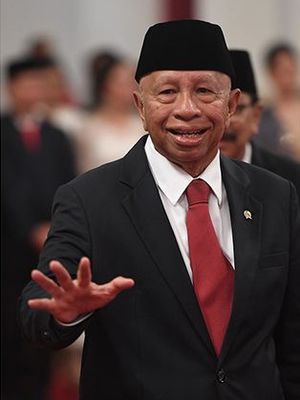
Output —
<point x="67" y="242"/>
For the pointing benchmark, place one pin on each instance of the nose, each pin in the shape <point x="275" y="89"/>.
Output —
<point x="186" y="107"/>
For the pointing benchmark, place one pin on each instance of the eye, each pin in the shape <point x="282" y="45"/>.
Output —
<point x="206" y="95"/>
<point x="167" y="91"/>
<point x="204" y="90"/>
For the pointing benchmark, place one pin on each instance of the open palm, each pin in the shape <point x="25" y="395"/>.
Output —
<point x="71" y="298"/>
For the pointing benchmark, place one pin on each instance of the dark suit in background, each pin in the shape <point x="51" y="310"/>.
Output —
<point x="151" y="341"/>
<point x="29" y="181"/>
<point x="280" y="165"/>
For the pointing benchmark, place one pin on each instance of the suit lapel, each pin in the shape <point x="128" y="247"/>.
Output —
<point x="145" y="209"/>
<point x="246" y="239"/>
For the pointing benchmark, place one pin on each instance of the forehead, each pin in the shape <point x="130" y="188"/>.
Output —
<point x="26" y="76"/>
<point x="166" y="76"/>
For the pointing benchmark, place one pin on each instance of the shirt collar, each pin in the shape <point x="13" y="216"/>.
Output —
<point x="173" y="180"/>
<point x="248" y="153"/>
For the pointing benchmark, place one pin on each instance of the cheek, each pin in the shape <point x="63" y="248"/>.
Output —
<point x="221" y="120"/>
<point x="217" y="112"/>
<point x="155" y="117"/>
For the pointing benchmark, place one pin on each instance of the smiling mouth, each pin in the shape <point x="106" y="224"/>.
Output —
<point x="190" y="133"/>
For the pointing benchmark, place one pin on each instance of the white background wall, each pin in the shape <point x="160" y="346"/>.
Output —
<point x="80" y="26"/>
<point x="255" y="25"/>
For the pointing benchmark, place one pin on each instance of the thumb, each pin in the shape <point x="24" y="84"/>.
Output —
<point x="117" y="285"/>
<point x="120" y="283"/>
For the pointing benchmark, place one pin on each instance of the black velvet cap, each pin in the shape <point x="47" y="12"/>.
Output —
<point x="184" y="45"/>
<point x="244" y="73"/>
<point x="16" y="67"/>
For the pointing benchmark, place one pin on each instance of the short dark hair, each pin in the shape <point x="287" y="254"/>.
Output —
<point x="26" y="64"/>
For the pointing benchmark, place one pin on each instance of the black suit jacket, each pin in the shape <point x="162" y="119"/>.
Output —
<point x="280" y="165"/>
<point x="151" y="341"/>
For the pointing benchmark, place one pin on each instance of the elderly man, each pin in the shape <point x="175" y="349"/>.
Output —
<point x="207" y="248"/>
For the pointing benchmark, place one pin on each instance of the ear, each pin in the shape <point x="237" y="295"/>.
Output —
<point x="232" y="104"/>
<point x="138" y="101"/>
<point x="257" y="110"/>
<point x="233" y="101"/>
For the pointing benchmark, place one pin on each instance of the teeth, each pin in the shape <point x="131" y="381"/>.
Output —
<point x="188" y="133"/>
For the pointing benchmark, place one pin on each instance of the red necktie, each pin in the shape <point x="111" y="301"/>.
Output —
<point x="31" y="136"/>
<point x="213" y="276"/>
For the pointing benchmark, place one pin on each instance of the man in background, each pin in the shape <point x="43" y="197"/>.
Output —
<point x="36" y="158"/>
<point x="237" y="141"/>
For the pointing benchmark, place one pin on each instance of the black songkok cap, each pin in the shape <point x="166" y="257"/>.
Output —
<point x="184" y="45"/>
<point x="243" y="71"/>
<point x="16" y="67"/>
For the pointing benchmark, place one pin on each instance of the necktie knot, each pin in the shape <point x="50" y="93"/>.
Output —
<point x="197" y="192"/>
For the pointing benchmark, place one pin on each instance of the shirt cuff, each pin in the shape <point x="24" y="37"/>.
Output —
<point x="76" y="321"/>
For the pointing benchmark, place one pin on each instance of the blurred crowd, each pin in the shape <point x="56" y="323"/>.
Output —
<point x="49" y="137"/>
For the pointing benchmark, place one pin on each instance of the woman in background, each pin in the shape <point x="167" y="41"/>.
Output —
<point x="112" y="127"/>
<point x="280" y="122"/>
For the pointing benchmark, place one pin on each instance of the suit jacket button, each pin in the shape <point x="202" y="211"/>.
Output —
<point x="221" y="375"/>
<point x="46" y="335"/>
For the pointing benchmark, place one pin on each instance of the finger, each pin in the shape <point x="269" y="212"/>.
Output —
<point x="41" y="304"/>
<point x="84" y="275"/>
<point x="62" y="275"/>
<point x="46" y="283"/>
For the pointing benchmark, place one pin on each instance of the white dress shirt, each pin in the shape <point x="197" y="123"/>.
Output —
<point x="172" y="182"/>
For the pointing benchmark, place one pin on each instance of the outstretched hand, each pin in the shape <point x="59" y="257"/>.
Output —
<point x="71" y="298"/>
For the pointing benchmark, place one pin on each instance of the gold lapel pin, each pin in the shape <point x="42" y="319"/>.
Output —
<point x="247" y="214"/>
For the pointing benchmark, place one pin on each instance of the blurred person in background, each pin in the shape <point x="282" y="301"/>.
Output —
<point x="113" y="125"/>
<point x="280" y="123"/>
<point x="36" y="158"/>
<point x="237" y="142"/>
<point x="61" y="106"/>
<point x="43" y="47"/>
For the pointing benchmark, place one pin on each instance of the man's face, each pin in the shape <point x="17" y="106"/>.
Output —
<point x="242" y="126"/>
<point x="186" y="114"/>
<point x="26" y="91"/>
